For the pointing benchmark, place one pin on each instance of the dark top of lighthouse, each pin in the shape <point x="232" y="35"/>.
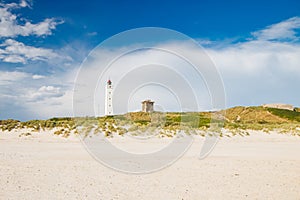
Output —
<point x="109" y="82"/>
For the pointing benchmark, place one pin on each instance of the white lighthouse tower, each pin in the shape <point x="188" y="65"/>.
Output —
<point x="108" y="98"/>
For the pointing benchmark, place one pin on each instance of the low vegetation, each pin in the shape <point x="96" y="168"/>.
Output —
<point x="238" y="120"/>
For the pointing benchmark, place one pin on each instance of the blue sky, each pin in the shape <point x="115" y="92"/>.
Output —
<point x="216" y="20"/>
<point x="255" y="45"/>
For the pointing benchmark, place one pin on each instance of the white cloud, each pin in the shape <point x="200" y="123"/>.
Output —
<point x="10" y="27"/>
<point x="17" y="52"/>
<point x="21" y="4"/>
<point x="10" y="77"/>
<point x="175" y="79"/>
<point x="13" y="59"/>
<point x="24" y="4"/>
<point x="256" y="57"/>
<point x="12" y="51"/>
<point x="58" y="106"/>
<point x="254" y="72"/>
<point x="37" y="76"/>
<point x="279" y="31"/>
<point x="30" y="95"/>
<point x="258" y="71"/>
<point x="25" y="97"/>
<point x="49" y="89"/>
<point x="43" y="93"/>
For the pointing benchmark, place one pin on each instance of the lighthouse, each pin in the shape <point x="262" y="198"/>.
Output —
<point x="108" y="98"/>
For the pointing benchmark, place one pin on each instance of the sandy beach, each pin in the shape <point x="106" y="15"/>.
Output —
<point x="44" y="166"/>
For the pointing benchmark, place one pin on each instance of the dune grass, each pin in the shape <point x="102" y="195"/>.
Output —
<point x="237" y="118"/>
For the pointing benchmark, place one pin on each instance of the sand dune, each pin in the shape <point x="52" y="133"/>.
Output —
<point x="44" y="166"/>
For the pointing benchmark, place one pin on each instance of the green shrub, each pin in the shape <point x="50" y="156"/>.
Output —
<point x="287" y="114"/>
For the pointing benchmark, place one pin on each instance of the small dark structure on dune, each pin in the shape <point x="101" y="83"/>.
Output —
<point x="147" y="106"/>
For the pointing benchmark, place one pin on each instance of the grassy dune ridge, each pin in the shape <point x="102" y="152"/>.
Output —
<point x="237" y="119"/>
